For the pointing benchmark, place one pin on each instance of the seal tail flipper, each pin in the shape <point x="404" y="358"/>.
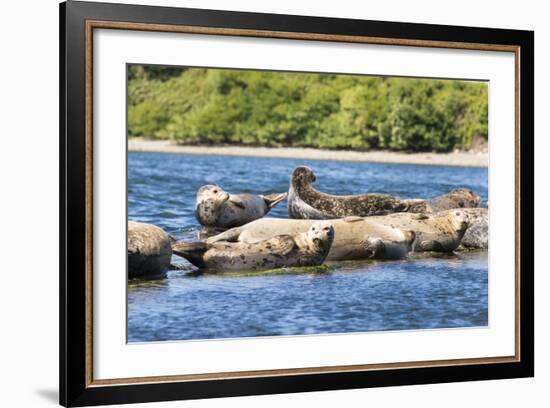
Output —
<point x="430" y="246"/>
<point x="410" y="238"/>
<point x="374" y="248"/>
<point x="192" y="251"/>
<point x="273" y="199"/>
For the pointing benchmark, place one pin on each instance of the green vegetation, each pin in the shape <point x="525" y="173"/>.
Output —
<point x="214" y="106"/>
<point x="293" y="270"/>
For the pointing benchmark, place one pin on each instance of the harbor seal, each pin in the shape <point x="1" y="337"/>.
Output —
<point x="355" y="237"/>
<point x="149" y="250"/>
<point x="457" y="198"/>
<point x="305" y="202"/>
<point x="219" y="209"/>
<point x="308" y="248"/>
<point x="440" y="232"/>
<point x="477" y="234"/>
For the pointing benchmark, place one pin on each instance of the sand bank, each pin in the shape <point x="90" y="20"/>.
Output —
<point x="467" y="159"/>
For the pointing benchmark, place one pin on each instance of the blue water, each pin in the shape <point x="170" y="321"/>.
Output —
<point x="417" y="293"/>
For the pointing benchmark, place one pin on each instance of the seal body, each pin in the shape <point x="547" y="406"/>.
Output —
<point x="305" y="202"/>
<point x="216" y="208"/>
<point x="354" y="237"/>
<point x="440" y="232"/>
<point x="149" y="250"/>
<point x="457" y="198"/>
<point x="309" y="248"/>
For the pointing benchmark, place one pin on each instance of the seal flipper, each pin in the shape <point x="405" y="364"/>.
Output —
<point x="192" y="251"/>
<point x="281" y="245"/>
<point x="374" y="248"/>
<point x="207" y="232"/>
<point x="231" y="235"/>
<point x="411" y="239"/>
<point x="271" y="200"/>
<point x="352" y="218"/>
<point x="430" y="245"/>
<point x="237" y="201"/>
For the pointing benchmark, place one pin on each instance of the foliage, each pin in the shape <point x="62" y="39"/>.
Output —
<point x="215" y="106"/>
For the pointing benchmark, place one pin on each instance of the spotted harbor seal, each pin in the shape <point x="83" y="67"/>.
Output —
<point x="305" y="202"/>
<point x="440" y="232"/>
<point x="217" y="208"/>
<point x="477" y="234"/>
<point x="149" y="250"/>
<point x="355" y="238"/>
<point x="308" y="248"/>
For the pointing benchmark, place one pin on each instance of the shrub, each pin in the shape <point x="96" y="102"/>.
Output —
<point x="197" y="105"/>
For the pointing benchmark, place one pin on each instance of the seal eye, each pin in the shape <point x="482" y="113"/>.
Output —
<point x="215" y="191"/>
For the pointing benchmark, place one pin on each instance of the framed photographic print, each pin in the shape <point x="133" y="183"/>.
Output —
<point x="256" y="203"/>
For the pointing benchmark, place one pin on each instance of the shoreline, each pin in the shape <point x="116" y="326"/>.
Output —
<point x="464" y="159"/>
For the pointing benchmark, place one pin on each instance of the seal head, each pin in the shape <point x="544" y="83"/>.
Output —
<point x="477" y="234"/>
<point x="302" y="176"/>
<point x="320" y="237"/>
<point x="461" y="221"/>
<point x="210" y="199"/>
